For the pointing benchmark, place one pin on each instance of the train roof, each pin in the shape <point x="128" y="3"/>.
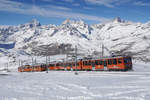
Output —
<point x="104" y="57"/>
<point x="92" y="58"/>
<point x="84" y="58"/>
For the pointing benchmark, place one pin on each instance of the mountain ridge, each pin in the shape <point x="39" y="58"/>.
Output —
<point x="119" y="36"/>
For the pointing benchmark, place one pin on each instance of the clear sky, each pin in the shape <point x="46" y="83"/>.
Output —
<point x="14" y="12"/>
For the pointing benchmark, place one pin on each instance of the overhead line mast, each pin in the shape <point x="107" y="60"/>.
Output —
<point x="76" y="73"/>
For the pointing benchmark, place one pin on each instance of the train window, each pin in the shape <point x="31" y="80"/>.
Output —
<point x="109" y="61"/>
<point x="105" y="63"/>
<point x="89" y="63"/>
<point x="96" y="62"/>
<point x="57" y="64"/>
<point x="64" y="64"/>
<point x="115" y="61"/>
<point x="119" y="60"/>
<point x="93" y="63"/>
<point x="85" y="63"/>
<point x="69" y="64"/>
<point x="51" y="65"/>
<point x="60" y="64"/>
<point x="100" y="62"/>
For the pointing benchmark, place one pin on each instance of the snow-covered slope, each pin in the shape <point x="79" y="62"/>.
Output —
<point x="118" y="36"/>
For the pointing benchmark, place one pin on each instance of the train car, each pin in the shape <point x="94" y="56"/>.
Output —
<point x="117" y="63"/>
<point x="52" y="66"/>
<point x="93" y="65"/>
<point x="77" y="66"/>
<point x="68" y="66"/>
<point x="38" y="68"/>
<point x="35" y="68"/>
<point x="20" y="69"/>
<point x="108" y="64"/>
<point x="86" y="65"/>
<point x="59" y="66"/>
<point x="24" y="68"/>
<point x="99" y="65"/>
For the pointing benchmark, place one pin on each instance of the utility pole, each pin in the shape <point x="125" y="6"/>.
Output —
<point x="32" y="65"/>
<point x="19" y="63"/>
<point x="46" y="65"/>
<point x="102" y="50"/>
<point x="76" y="73"/>
<point x="49" y="59"/>
<point x="7" y="64"/>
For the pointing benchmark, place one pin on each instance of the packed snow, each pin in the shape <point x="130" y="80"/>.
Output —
<point x="87" y="85"/>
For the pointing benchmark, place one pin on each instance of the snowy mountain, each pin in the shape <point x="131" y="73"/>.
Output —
<point x="121" y="37"/>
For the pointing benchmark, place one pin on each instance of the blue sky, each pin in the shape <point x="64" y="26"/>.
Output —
<point x="14" y="12"/>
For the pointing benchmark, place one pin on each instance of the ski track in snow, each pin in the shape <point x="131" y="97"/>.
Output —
<point x="60" y="85"/>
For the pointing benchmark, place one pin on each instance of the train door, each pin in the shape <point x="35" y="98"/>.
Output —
<point x="71" y="66"/>
<point x="120" y="64"/>
<point x="65" y="66"/>
<point x="93" y="65"/>
<point x="105" y="64"/>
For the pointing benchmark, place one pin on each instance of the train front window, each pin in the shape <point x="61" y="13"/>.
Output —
<point x="127" y="60"/>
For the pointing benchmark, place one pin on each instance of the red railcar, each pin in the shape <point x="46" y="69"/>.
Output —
<point x="35" y="68"/>
<point x="52" y="66"/>
<point x="68" y="66"/>
<point x="109" y="64"/>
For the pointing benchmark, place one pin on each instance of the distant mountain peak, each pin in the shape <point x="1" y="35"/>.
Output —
<point x="31" y="24"/>
<point x="81" y="21"/>
<point x="117" y="20"/>
<point x="35" y="22"/>
<point x="67" y="21"/>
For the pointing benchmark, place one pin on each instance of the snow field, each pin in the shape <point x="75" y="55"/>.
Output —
<point x="62" y="85"/>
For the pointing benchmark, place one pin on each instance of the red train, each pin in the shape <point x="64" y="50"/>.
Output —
<point x="120" y="63"/>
